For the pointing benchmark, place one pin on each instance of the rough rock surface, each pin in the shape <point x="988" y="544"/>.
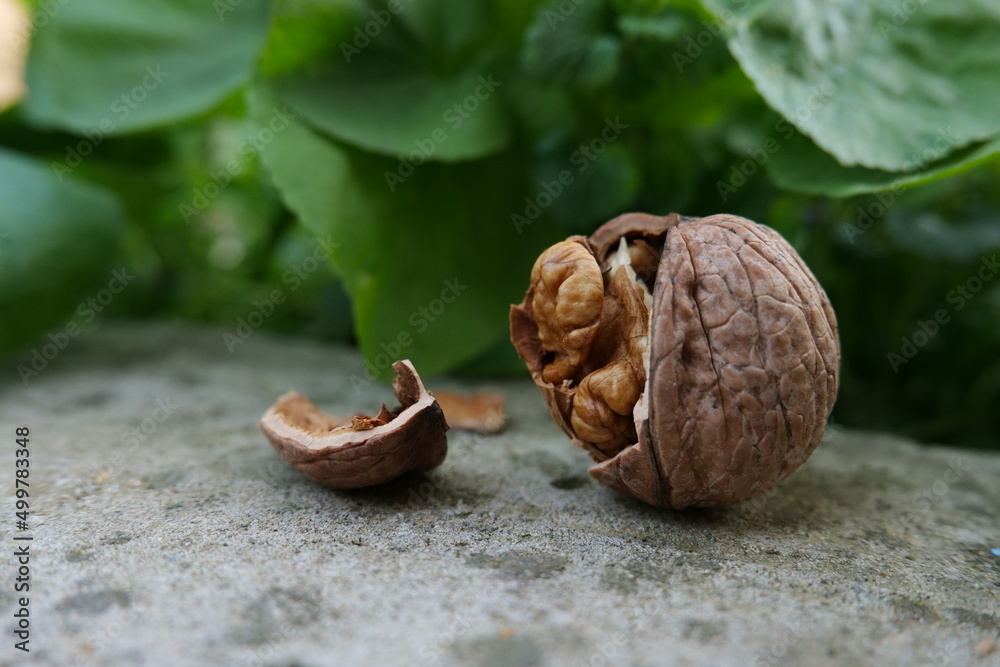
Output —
<point x="192" y="544"/>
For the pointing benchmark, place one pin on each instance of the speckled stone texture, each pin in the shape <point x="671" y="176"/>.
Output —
<point x="169" y="533"/>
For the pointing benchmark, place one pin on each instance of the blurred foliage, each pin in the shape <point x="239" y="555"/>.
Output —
<point x="386" y="172"/>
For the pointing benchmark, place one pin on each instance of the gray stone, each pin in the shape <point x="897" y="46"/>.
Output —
<point x="167" y="532"/>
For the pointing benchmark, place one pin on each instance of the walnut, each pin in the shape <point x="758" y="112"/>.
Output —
<point x="709" y="371"/>
<point x="568" y="296"/>
<point x="367" y="450"/>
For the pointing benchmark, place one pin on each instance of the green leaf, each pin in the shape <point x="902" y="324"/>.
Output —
<point x="874" y="84"/>
<point x="539" y="107"/>
<point x="802" y="166"/>
<point x="666" y="27"/>
<point x="431" y="266"/>
<point x="585" y="192"/>
<point x="57" y="239"/>
<point x="399" y="109"/>
<point x="110" y="66"/>
<point x="651" y="7"/>
<point x="302" y="30"/>
<point x="930" y="236"/>
<point x="448" y="29"/>
<point x="572" y="47"/>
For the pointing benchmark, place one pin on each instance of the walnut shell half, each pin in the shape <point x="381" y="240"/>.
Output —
<point x="694" y="359"/>
<point x="368" y="450"/>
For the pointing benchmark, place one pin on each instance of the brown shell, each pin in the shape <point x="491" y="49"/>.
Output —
<point x="743" y="363"/>
<point x="368" y="451"/>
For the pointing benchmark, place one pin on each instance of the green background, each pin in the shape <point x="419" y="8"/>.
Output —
<point x="217" y="149"/>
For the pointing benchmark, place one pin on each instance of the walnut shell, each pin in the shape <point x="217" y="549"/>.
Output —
<point x="704" y="370"/>
<point x="368" y="450"/>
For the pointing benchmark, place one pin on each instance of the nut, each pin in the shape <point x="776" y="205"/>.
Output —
<point x="568" y="298"/>
<point x="694" y="359"/>
<point x="368" y="450"/>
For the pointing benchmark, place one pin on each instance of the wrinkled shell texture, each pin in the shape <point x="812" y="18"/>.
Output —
<point x="726" y="390"/>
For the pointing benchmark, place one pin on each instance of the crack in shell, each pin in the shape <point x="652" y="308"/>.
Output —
<point x="740" y="368"/>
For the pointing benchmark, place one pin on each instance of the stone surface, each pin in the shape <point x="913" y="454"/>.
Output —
<point x="193" y="544"/>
